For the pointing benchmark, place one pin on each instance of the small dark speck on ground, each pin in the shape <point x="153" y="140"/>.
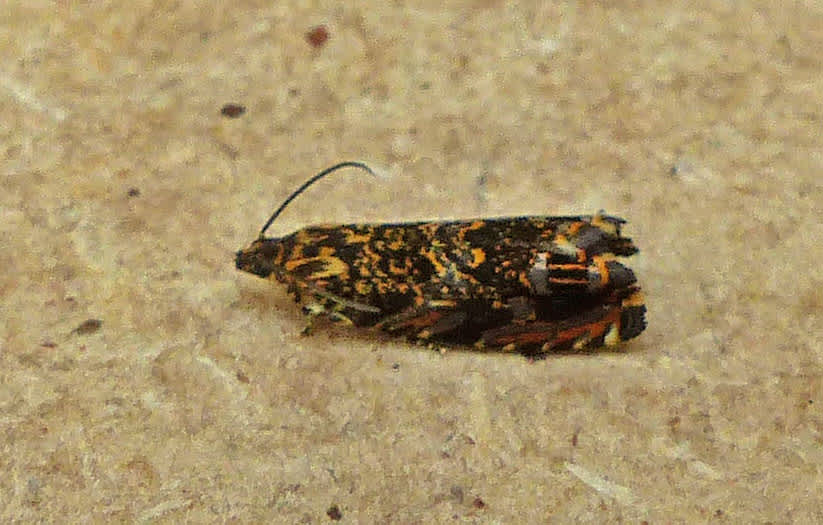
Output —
<point x="334" y="513"/>
<point x="89" y="326"/>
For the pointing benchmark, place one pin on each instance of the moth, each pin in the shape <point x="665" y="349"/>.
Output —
<point x="530" y="284"/>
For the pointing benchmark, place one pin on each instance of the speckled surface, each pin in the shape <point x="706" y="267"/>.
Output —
<point x="125" y="192"/>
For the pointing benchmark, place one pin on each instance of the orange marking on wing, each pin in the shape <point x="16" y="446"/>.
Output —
<point x="575" y="227"/>
<point x="593" y="330"/>
<point x="478" y="257"/>
<point x="427" y="319"/>
<point x="557" y="280"/>
<point x="569" y="266"/>
<point x="602" y="269"/>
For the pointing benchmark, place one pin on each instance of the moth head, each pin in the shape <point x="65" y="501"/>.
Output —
<point x="262" y="258"/>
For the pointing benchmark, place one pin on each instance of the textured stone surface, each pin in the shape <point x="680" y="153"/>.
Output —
<point x="125" y="192"/>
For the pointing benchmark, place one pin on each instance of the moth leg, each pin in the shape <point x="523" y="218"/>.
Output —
<point x="337" y="303"/>
<point x="331" y="306"/>
<point x="294" y="291"/>
<point x="325" y="308"/>
<point x="522" y="312"/>
<point x="616" y="319"/>
<point x="426" y="321"/>
<point x="445" y="324"/>
<point x="457" y="321"/>
<point x="312" y="311"/>
<point x="410" y="319"/>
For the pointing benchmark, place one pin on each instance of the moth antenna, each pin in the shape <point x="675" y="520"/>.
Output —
<point x="301" y="189"/>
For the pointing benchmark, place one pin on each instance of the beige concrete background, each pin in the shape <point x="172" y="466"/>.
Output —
<point x="125" y="193"/>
